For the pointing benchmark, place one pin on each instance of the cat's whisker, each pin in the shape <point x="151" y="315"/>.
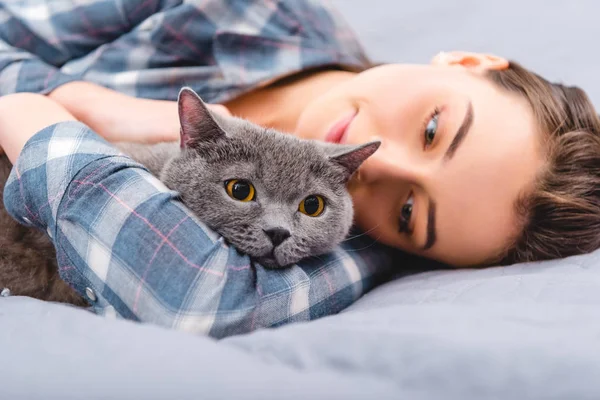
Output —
<point x="319" y="258"/>
<point x="361" y="234"/>
<point x="366" y="232"/>
<point x="375" y="240"/>
<point x="360" y="249"/>
<point x="365" y="247"/>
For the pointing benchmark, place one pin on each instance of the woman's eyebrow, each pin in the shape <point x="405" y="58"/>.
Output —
<point x="462" y="132"/>
<point x="431" y="231"/>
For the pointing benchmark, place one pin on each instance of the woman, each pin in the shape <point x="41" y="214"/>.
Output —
<point x="482" y="161"/>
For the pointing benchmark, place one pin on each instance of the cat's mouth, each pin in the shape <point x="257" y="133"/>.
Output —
<point x="270" y="260"/>
<point x="266" y="257"/>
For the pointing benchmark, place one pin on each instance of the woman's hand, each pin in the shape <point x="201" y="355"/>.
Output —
<point x="119" y="117"/>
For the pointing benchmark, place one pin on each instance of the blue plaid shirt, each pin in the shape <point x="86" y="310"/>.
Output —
<point x="126" y="243"/>
<point x="151" y="48"/>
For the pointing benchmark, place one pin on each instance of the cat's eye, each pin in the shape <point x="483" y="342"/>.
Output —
<point x="313" y="206"/>
<point x="240" y="190"/>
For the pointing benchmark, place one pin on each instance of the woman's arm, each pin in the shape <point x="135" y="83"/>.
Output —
<point x="127" y="243"/>
<point x="22" y="115"/>
<point x="118" y="117"/>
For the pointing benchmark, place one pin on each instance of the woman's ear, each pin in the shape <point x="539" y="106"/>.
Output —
<point x="478" y="62"/>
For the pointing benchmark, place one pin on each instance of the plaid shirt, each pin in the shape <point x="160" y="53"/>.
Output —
<point x="151" y="48"/>
<point x="126" y="243"/>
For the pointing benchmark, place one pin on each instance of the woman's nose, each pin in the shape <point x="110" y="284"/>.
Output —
<point x="387" y="164"/>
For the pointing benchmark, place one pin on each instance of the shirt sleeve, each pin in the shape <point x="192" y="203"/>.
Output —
<point x="128" y="244"/>
<point x="38" y="39"/>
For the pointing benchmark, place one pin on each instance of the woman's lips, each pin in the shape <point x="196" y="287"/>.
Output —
<point x="337" y="133"/>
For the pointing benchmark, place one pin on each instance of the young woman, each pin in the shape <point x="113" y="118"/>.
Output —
<point x="482" y="161"/>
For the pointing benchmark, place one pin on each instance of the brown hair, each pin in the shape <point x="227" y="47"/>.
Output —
<point x="561" y="214"/>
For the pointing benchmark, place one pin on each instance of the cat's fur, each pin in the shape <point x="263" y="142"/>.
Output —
<point x="213" y="149"/>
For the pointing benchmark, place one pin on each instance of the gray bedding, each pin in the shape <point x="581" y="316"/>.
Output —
<point x="521" y="332"/>
<point x="528" y="331"/>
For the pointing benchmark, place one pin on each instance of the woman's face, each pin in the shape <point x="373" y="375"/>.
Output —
<point x="456" y="153"/>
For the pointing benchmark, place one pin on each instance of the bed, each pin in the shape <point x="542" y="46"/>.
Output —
<point x="529" y="331"/>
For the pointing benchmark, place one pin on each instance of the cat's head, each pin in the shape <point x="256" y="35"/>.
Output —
<point x="272" y="196"/>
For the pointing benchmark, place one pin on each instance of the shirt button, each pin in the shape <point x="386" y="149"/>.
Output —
<point x="26" y="220"/>
<point x="90" y="294"/>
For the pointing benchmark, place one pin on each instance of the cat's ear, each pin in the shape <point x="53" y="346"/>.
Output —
<point x="197" y="123"/>
<point x="351" y="157"/>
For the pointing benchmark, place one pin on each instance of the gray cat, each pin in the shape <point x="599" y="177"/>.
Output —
<point x="274" y="197"/>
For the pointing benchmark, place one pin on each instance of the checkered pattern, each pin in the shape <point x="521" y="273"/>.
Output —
<point x="121" y="233"/>
<point x="151" y="48"/>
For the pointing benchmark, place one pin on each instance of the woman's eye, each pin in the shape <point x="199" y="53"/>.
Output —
<point x="313" y="206"/>
<point x="431" y="129"/>
<point x="240" y="190"/>
<point x="406" y="215"/>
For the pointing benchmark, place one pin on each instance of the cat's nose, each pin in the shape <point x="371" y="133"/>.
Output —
<point x="277" y="235"/>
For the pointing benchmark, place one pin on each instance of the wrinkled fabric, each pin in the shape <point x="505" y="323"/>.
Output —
<point x="151" y="48"/>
